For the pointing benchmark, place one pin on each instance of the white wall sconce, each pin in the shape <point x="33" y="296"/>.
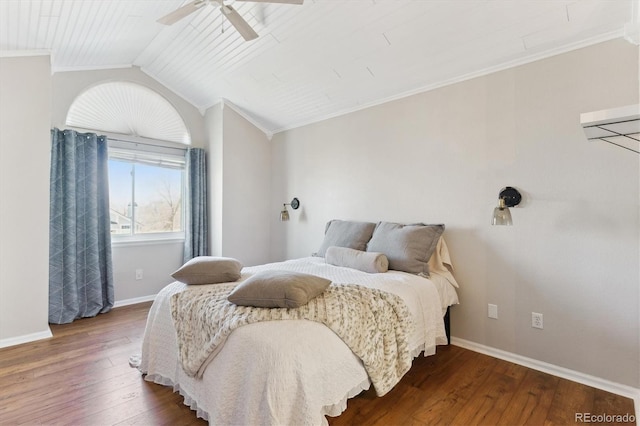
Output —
<point x="284" y="214"/>
<point x="508" y="197"/>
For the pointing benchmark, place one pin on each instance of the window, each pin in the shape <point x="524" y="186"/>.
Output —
<point x="146" y="181"/>
<point x="146" y="190"/>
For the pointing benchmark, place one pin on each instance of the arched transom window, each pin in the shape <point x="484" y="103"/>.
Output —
<point x="128" y="109"/>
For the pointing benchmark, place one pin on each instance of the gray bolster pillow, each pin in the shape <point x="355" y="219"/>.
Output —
<point x="370" y="262"/>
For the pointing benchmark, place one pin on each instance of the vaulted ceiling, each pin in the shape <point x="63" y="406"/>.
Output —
<point x="311" y="61"/>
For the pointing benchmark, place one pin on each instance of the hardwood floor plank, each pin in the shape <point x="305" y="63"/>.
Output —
<point x="111" y="408"/>
<point x="457" y="389"/>
<point x="435" y="368"/>
<point x="73" y="373"/>
<point x="530" y="402"/>
<point x="493" y="397"/>
<point x="81" y="376"/>
<point x="609" y="403"/>
<point x="40" y="402"/>
<point x="571" y="398"/>
<point x="170" y="414"/>
<point x="90" y="347"/>
<point x="364" y="408"/>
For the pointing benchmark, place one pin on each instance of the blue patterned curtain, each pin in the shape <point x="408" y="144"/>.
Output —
<point x="196" y="230"/>
<point x="80" y="270"/>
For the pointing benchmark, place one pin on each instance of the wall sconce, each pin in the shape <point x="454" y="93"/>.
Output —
<point x="508" y="197"/>
<point x="284" y="214"/>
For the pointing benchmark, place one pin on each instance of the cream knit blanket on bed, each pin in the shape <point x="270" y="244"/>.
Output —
<point x="376" y="326"/>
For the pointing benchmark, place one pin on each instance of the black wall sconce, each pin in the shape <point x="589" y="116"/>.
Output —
<point x="508" y="197"/>
<point x="284" y="214"/>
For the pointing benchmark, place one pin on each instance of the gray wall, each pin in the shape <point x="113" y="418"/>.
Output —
<point x="240" y="186"/>
<point x="213" y="122"/>
<point x="443" y="156"/>
<point x="25" y="140"/>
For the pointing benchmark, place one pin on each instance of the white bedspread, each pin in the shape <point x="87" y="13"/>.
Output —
<point x="283" y="372"/>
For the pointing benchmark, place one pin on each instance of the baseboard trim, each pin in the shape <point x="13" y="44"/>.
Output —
<point x="133" y="301"/>
<point x="565" y="373"/>
<point x="26" y="338"/>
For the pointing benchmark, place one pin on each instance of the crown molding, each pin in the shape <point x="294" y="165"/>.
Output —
<point x="469" y="76"/>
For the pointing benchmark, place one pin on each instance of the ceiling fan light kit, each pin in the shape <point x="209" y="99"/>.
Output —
<point x="229" y="12"/>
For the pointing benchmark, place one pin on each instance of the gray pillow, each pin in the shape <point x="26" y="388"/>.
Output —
<point x="208" y="270"/>
<point x="346" y="233"/>
<point x="408" y="247"/>
<point x="371" y="262"/>
<point x="278" y="289"/>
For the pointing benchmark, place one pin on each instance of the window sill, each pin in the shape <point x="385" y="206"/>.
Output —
<point x="146" y="240"/>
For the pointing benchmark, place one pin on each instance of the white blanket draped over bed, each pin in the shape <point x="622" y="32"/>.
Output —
<point x="374" y="324"/>
<point x="284" y="372"/>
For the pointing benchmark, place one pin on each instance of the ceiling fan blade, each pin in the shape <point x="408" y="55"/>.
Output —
<point x="239" y="23"/>
<point x="275" y="1"/>
<point x="180" y="13"/>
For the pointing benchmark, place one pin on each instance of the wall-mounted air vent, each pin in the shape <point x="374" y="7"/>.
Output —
<point x="617" y="126"/>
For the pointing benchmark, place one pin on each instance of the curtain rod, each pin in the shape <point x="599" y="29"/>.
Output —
<point x="146" y="144"/>
<point x="116" y="137"/>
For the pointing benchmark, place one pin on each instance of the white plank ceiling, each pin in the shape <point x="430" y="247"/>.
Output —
<point x="311" y="61"/>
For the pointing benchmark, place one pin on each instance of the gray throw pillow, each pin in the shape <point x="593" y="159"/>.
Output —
<point x="278" y="289"/>
<point x="208" y="270"/>
<point x="346" y="233"/>
<point x="408" y="247"/>
<point x="373" y="263"/>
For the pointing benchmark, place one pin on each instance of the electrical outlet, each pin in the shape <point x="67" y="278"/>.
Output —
<point x="139" y="274"/>
<point x="536" y="320"/>
<point x="492" y="311"/>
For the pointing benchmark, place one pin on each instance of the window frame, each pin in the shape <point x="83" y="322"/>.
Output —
<point x="125" y="146"/>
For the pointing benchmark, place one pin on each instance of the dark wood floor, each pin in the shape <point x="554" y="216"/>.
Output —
<point x="81" y="376"/>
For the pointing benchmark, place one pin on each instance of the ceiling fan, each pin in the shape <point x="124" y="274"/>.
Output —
<point x="227" y="10"/>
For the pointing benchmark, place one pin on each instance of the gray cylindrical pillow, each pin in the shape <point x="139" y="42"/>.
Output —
<point x="370" y="262"/>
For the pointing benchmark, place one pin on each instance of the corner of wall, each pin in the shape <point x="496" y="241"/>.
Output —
<point x="25" y="108"/>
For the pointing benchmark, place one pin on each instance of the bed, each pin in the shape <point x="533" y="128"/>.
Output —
<point x="293" y="371"/>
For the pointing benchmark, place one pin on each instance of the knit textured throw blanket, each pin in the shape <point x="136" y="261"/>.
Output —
<point x="376" y="326"/>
